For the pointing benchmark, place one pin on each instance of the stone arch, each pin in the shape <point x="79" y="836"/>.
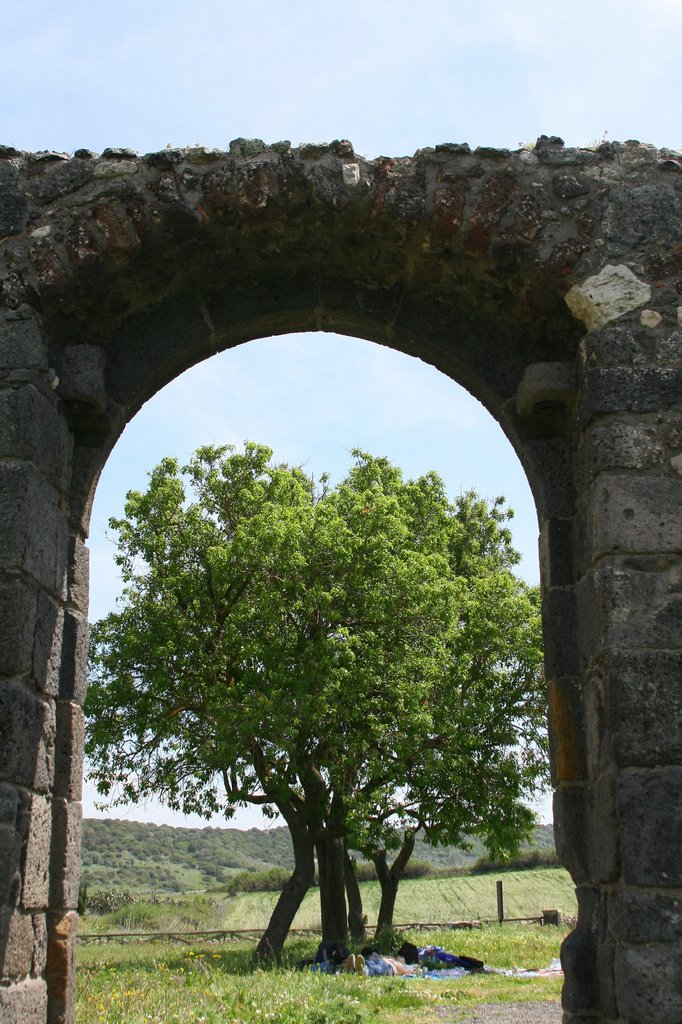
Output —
<point x="117" y="272"/>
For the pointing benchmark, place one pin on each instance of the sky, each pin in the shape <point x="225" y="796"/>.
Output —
<point x="390" y="76"/>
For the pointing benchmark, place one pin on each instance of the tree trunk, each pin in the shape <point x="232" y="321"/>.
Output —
<point x="389" y="879"/>
<point x="292" y="894"/>
<point x="332" y="876"/>
<point x="356" y="918"/>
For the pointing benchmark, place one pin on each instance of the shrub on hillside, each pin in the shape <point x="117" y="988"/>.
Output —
<point x="108" y="901"/>
<point x="257" y="881"/>
<point x="526" y="861"/>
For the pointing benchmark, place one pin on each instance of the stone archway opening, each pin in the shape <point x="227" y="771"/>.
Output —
<point x="118" y="272"/>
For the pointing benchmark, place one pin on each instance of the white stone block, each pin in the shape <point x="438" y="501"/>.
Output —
<point x="607" y="296"/>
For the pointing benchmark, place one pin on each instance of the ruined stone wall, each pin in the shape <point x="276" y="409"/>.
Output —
<point x="547" y="282"/>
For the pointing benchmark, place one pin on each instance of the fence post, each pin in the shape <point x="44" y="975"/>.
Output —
<point x="500" y="902"/>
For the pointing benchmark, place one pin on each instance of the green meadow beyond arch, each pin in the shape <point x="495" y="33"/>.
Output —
<point x="548" y="282"/>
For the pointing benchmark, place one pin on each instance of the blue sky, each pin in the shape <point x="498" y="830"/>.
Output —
<point x="391" y="77"/>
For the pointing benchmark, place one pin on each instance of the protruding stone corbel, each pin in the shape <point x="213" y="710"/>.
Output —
<point x="545" y="382"/>
<point x="81" y="376"/>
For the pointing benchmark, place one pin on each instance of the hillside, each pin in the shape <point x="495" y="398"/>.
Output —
<point x="160" y="858"/>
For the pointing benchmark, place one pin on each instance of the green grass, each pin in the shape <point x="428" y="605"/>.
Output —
<point x="215" y="984"/>
<point x="468" y="897"/>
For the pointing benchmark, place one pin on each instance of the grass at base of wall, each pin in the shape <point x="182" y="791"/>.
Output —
<point x="162" y="983"/>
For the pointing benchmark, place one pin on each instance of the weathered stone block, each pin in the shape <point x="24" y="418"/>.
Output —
<point x="620" y="445"/>
<point x="81" y="376"/>
<point x="633" y="514"/>
<point x="566" y="730"/>
<point x="560" y="628"/>
<point x="35" y="888"/>
<point x="79" y="574"/>
<point x="9" y="804"/>
<point x="579" y="954"/>
<point x="572" y="813"/>
<point x="61" y="964"/>
<point x="34" y="529"/>
<point x="10" y="855"/>
<point x="630" y="603"/>
<point x="650" y="813"/>
<point x="27" y="735"/>
<point x="630" y="389"/>
<point x="25" y="1003"/>
<point x="16" y="944"/>
<point x="65" y="862"/>
<point x="13" y="205"/>
<point x="47" y="646"/>
<point x="649" y="983"/>
<point x="552" y="481"/>
<point x="62" y="179"/>
<point x="644" y="698"/>
<point x="17" y="613"/>
<point x="31" y="428"/>
<point x="68" y="776"/>
<point x="22" y="340"/>
<point x="637" y="917"/>
<point x="643" y="213"/>
<point x="545" y="382"/>
<point x="606" y="296"/>
<point x="39" y="945"/>
<point x="557" y="555"/>
<point x="603" y="838"/>
<point x="74" y="658"/>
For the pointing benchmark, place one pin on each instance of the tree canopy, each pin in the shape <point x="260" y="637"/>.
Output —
<point x="359" y="658"/>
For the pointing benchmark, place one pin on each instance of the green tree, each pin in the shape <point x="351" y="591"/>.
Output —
<point x="287" y="644"/>
<point x="484" y="751"/>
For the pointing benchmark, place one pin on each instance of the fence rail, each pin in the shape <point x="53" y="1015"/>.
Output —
<point x="236" y="933"/>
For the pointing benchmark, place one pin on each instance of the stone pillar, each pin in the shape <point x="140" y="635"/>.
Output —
<point x="39" y="726"/>
<point x="619" y="789"/>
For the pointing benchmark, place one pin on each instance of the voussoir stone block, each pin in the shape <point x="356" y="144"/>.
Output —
<point x="649" y="983"/>
<point x="650" y="815"/>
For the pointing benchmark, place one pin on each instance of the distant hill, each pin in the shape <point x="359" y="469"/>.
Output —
<point x="159" y="858"/>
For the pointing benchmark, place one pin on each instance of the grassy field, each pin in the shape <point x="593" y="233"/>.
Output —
<point x="468" y="897"/>
<point x="216" y="984"/>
